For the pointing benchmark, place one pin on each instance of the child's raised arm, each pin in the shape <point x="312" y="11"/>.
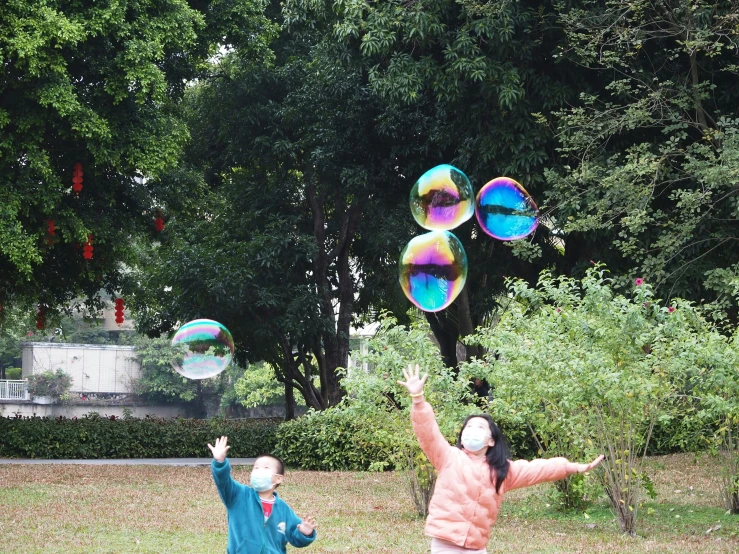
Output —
<point x="523" y="473"/>
<point x="432" y="442"/>
<point x="221" y="470"/>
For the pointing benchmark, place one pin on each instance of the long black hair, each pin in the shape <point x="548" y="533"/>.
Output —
<point x="497" y="455"/>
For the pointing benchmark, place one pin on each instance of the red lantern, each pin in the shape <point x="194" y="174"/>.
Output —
<point x="159" y="224"/>
<point x="40" y="318"/>
<point x="87" y="248"/>
<point x="119" y="311"/>
<point x="77" y="178"/>
<point x="51" y="232"/>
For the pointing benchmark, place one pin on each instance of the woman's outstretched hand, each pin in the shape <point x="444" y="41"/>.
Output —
<point x="582" y="468"/>
<point x="412" y="382"/>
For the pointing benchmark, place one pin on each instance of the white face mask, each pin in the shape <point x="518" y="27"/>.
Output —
<point x="474" y="439"/>
<point x="261" y="480"/>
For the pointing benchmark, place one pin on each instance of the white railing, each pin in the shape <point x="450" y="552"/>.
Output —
<point x="14" y="390"/>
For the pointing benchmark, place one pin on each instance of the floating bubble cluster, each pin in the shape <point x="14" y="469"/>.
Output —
<point x="433" y="270"/>
<point x="442" y="198"/>
<point x="505" y="210"/>
<point x="205" y="348"/>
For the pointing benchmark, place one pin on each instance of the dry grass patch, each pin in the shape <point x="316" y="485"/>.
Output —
<point x="153" y="509"/>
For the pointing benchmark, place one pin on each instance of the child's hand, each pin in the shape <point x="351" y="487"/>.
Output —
<point x="582" y="468"/>
<point x="308" y="526"/>
<point x="412" y="381"/>
<point x="220" y="449"/>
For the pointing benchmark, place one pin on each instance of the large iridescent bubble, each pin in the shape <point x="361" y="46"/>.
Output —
<point x="505" y="210"/>
<point x="204" y="349"/>
<point x="442" y="199"/>
<point x="433" y="270"/>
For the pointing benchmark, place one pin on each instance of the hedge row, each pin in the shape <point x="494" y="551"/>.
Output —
<point x="330" y="440"/>
<point x="93" y="437"/>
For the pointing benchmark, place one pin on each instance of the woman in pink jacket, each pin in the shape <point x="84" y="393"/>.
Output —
<point x="473" y="476"/>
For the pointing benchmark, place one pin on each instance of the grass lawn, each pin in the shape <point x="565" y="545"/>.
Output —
<point x="119" y="509"/>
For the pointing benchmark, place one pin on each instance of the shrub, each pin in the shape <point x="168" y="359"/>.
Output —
<point x="593" y="371"/>
<point x="337" y="439"/>
<point x="49" y="383"/>
<point x="94" y="436"/>
<point x="13" y="373"/>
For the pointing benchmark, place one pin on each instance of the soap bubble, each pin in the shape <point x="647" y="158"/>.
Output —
<point x="505" y="210"/>
<point x="205" y="347"/>
<point x="433" y="270"/>
<point x="442" y="199"/>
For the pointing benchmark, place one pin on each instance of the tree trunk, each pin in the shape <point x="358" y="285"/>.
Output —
<point x="446" y="334"/>
<point x="289" y="401"/>
<point x="466" y="326"/>
<point x="202" y="413"/>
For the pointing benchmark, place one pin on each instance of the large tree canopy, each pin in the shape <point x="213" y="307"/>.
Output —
<point x="651" y="150"/>
<point x="95" y="83"/>
<point x="640" y="173"/>
<point x="301" y="165"/>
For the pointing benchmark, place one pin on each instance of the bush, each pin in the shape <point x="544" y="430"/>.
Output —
<point x="96" y="437"/>
<point x="594" y="371"/>
<point x="49" y="383"/>
<point x="337" y="439"/>
<point x="371" y="429"/>
<point x="13" y="373"/>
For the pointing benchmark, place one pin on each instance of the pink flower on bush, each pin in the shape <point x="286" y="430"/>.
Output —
<point x="639" y="281"/>
<point x="670" y="309"/>
<point x="29" y="334"/>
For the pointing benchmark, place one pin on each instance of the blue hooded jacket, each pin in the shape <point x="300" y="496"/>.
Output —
<point x="248" y="533"/>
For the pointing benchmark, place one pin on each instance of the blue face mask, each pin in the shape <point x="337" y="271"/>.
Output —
<point x="474" y="439"/>
<point x="261" y="480"/>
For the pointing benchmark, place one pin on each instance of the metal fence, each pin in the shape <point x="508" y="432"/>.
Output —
<point x="14" y="390"/>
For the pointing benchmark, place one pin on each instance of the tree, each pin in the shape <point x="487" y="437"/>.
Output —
<point x="302" y="172"/>
<point x="95" y="83"/>
<point x="476" y="74"/>
<point x="639" y="172"/>
<point x="161" y="383"/>
<point x="651" y="151"/>
<point x="14" y="324"/>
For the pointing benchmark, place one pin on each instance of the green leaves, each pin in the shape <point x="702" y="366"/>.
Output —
<point x="98" y="85"/>
<point x="592" y="368"/>
<point x="96" y="437"/>
<point x="651" y="143"/>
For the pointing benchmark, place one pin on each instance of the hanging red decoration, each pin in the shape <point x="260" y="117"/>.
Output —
<point x="51" y="232"/>
<point x="159" y="224"/>
<point x="119" y="311"/>
<point x="77" y="179"/>
<point x="41" y="318"/>
<point x="87" y="248"/>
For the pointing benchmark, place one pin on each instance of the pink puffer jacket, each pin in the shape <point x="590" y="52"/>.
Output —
<point x="465" y="505"/>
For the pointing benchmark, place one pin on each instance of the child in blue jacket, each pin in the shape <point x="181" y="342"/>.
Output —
<point x="259" y="522"/>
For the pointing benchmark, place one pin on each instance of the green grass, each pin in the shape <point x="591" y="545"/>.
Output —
<point x="147" y="509"/>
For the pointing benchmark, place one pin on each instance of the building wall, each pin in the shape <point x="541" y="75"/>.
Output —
<point x="28" y="409"/>
<point x="93" y="368"/>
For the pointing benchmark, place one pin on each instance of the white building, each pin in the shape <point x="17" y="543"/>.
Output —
<point x="93" y="368"/>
